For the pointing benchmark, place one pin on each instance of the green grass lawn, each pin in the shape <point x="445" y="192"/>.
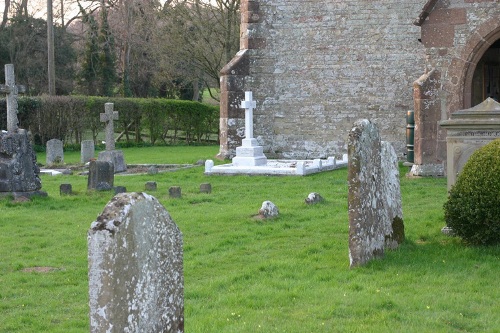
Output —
<point x="289" y="274"/>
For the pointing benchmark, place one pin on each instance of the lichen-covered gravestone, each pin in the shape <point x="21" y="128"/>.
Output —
<point x="18" y="168"/>
<point x="375" y="213"/>
<point x="136" y="279"/>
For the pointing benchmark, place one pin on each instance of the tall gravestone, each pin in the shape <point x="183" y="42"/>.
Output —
<point x="18" y="168"/>
<point x="55" y="152"/>
<point x="87" y="151"/>
<point x="375" y="211"/>
<point x="136" y="278"/>
<point x="111" y="154"/>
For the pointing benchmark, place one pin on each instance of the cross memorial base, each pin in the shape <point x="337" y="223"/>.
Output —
<point x="249" y="154"/>
<point x="115" y="157"/>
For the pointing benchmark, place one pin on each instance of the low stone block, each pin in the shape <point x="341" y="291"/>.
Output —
<point x="65" y="189"/>
<point x="174" y="192"/>
<point x="150" y="186"/>
<point x="205" y="188"/>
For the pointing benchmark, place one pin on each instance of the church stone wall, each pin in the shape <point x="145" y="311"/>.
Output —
<point x="315" y="67"/>
<point x="455" y="35"/>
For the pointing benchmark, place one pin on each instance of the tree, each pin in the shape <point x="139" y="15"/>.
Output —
<point x="107" y="70"/>
<point x="97" y="75"/>
<point x="200" y="38"/>
<point x="23" y="42"/>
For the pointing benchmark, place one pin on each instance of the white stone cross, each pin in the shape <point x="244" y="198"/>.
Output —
<point x="108" y="116"/>
<point x="248" y="104"/>
<point x="12" y="90"/>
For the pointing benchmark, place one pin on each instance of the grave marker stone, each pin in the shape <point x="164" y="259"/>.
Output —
<point x="101" y="175"/>
<point x="150" y="186"/>
<point x="111" y="155"/>
<point x="65" y="189"/>
<point x="18" y="168"/>
<point x="87" y="151"/>
<point x="175" y="192"/>
<point x="205" y="188"/>
<point x="375" y="213"/>
<point x="55" y="152"/>
<point x="136" y="278"/>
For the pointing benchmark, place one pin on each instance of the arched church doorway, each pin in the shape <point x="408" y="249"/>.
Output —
<point x="486" y="78"/>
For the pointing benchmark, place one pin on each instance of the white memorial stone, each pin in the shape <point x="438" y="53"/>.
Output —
<point x="250" y="153"/>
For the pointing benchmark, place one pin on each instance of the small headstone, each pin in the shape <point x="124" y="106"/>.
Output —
<point x="174" y="192"/>
<point x="136" y="278"/>
<point x="55" y="154"/>
<point x="200" y="162"/>
<point x="375" y="213"/>
<point x="152" y="170"/>
<point x="205" y="188"/>
<point x="150" y="186"/>
<point x="101" y="175"/>
<point x="120" y="189"/>
<point x="87" y="151"/>
<point x="313" y="198"/>
<point x="209" y="164"/>
<point x="268" y="210"/>
<point x="65" y="189"/>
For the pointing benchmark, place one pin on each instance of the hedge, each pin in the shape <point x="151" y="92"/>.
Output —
<point x="70" y="118"/>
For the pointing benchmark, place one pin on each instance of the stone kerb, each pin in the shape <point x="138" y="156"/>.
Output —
<point x="136" y="281"/>
<point x="375" y="213"/>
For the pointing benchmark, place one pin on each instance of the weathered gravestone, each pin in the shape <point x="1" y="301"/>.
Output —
<point x="87" y="151"/>
<point x="110" y="154"/>
<point x="136" y="278"/>
<point x="101" y="175"/>
<point x="18" y="168"/>
<point x="55" y="153"/>
<point x="375" y="211"/>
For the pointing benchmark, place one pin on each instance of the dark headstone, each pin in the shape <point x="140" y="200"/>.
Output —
<point x="174" y="192"/>
<point x="136" y="278"/>
<point x="150" y="186"/>
<point x="205" y="188"/>
<point x="101" y="175"/>
<point x="120" y="189"/>
<point x="375" y="213"/>
<point x="65" y="189"/>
